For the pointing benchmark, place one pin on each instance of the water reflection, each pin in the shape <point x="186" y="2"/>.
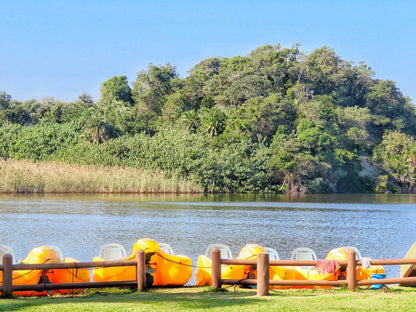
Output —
<point x="380" y="226"/>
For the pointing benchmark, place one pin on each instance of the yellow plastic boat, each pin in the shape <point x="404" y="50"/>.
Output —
<point x="248" y="252"/>
<point x="408" y="270"/>
<point x="163" y="268"/>
<point x="361" y="274"/>
<point x="297" y="272"/>
<point x="19" y="277"/>
<point x="47" y="254"/>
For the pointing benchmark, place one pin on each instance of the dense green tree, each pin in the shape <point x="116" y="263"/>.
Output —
<point x="16" y="113"/>
<point x="152" y="86"/>
<point x="353" y="122"/>
<point x="190" y="120"/>
<point x="352" y="83"/>
<point x="248" y="87"/>
<point x="323" y="65"/>
<point x="384" y="98"/>
<point x="397" y="154"/>
<point x="212" y="121"/>
<point x="260" y="117"/>
<point x="4" y="100"/>
<point x="176" y="103"/>
<point x="115" y="89"/>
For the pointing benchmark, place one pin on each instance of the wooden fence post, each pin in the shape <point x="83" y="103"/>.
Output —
<point x="263" y="274"/>
<point x="216" y="268"/>
<point x="7" y="276"/>
<point x="141" y="270"/>
<point x="351" y="269"/>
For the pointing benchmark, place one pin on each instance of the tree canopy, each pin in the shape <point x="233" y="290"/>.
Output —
<point x="276" y="120"/>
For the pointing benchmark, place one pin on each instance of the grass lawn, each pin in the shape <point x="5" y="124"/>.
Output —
<point x="203" y="298"/>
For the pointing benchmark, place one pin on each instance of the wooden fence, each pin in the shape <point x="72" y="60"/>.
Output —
<point x="262" y="265"/>
<point x="7" y="288"/>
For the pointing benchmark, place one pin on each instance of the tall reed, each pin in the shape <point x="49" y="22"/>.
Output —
<point x="52" y="177"/>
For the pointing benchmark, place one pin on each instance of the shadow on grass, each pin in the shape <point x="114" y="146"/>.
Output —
<point x="188" y="298"/>
<point x="168" y="299"/>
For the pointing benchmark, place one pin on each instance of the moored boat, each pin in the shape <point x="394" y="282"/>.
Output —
<point x="311" y="273"/>
<point x="203" y="274"/>
<point x="362" y="272"/>
<point x="47" y="254"/>
<point x="409" y="270"/>
<point x="20" y="277"/>
<point x="163" y="268"/>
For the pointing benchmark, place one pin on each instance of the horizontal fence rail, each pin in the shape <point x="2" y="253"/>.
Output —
<point x="7" y="288"/>
<point x="73" y="265"/>
<point x="263" y="264"/>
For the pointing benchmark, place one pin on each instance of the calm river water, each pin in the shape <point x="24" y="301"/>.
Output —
<point x="381" y="226"/>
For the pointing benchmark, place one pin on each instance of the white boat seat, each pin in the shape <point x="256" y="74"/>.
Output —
<point x="357" y="252"/>
<point x="166" y="248"/>
<point x="304" y="253"/>
<point x="5" y="250"/>
<point x="224" y="249"/>
<point x="273" y="255"/>
<point x="112" y="252"/>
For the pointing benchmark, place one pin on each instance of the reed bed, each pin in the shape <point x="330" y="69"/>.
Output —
<point x="51" y="177"/>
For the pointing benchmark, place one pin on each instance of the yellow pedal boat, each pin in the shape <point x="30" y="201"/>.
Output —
<point x="20" y="277"/>
<point x="303" y="272"/>
<point x="46" y="254"/>
<point x="311" y="273"/>
<point x="361" y="273"/>
<point x="248" y="252"/>
<point x="163" y="268"/>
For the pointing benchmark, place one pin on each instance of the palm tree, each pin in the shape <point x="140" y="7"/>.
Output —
<point x="212" y="121"/>
<point x="95" y="124"/>
<point x="189" y="119"/>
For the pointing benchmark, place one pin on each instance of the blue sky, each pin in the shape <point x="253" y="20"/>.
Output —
<point x="64" y="48"/>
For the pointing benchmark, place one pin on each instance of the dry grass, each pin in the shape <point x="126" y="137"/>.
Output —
<point x="51" y="177"/>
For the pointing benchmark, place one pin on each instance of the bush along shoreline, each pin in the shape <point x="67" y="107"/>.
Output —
<point x="276" y="120"/>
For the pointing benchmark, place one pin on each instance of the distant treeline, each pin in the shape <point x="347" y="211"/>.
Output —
<point x="276" y="120"/>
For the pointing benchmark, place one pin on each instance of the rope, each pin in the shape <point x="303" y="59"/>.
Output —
<point x="180" y="263"/>
<point x="30" y="271"/>
<point x="235" y="284"/>
<point x="188" y="265"/>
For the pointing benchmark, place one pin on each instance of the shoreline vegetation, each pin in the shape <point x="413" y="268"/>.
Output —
<point x="51" y="177"/>
<point x="278" y="120"/>
<point x="191" y="299"/>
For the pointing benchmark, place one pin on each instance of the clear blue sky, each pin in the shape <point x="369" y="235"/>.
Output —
<point x="64" y="48"/>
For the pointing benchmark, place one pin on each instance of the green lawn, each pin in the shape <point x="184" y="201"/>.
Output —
<point x="191" y="299"/>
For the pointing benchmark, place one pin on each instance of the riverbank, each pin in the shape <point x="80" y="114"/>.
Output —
<point x="190" y="299"/>
<point x="51" y="177"/>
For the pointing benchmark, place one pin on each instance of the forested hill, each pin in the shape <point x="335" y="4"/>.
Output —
<point x="276" y="120"/>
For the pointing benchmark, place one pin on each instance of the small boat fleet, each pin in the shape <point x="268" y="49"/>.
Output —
<point x="164" y="268"/>
<point x="327" y="269"/>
